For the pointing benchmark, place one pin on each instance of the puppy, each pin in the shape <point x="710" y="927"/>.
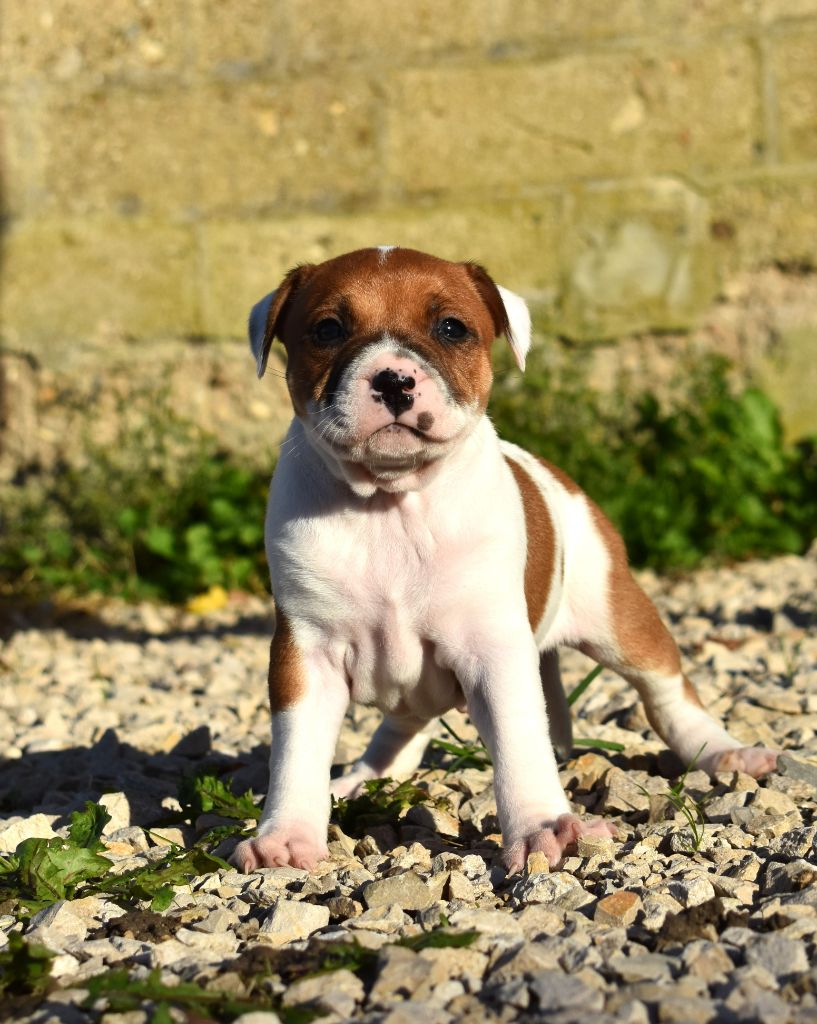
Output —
<point x="419" y="563"/>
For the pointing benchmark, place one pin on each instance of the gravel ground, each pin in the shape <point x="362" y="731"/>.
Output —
<point x="119" y="703"/>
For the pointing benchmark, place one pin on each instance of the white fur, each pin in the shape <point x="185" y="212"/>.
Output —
<point x="411" y="597"/>
<point x="519" y="334"/>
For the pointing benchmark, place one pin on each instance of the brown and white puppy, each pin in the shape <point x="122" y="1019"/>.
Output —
<point x="419" y="563"/>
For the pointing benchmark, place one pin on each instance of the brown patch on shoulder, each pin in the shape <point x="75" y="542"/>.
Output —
<point x="643" y="640"/>
<point x="286" y="675"/>
<point x="541" y="557"/>
<point x="567" y="482"/>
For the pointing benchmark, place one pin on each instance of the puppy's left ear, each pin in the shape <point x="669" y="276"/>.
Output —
<point x="267" y="316"/>
<point x="508" y="310"/>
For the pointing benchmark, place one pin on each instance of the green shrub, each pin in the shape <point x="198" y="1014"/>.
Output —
<point x="161" y="512"/>
<point x="706" y="474"/>
<point x="158" y="512"/>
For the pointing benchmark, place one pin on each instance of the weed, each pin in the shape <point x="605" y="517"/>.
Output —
<point x="684" y="803"/>
<point x="24" y="967"/>
<point x="465" y="753"/>
<point x="382" y="803"/>
<point x="159" y="511"/>
<point x="205" y="793"/>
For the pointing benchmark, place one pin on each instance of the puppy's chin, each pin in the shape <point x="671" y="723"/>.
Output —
<point x="394" y="444"/>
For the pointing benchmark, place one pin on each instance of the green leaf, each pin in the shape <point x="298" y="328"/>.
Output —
<point x="160" y="540"/>
<point x="207" y="794"/>
<point x="163" y="898"/>
<point x="50" y="869"/>
<point x="87" y="826"/>
<point x="439" y="939"/>
<point x="152" y="881"/>
<point x="577" y="691"/>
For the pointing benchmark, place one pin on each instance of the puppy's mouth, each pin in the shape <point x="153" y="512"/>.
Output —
<point x="395" y="439"/>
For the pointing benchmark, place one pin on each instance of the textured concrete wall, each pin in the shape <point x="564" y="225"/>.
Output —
<point x="164" y="161"/>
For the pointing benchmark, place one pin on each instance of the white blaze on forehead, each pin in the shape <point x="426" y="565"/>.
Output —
<point x="384" y="251"/>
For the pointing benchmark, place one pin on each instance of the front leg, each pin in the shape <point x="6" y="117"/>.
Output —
<point x="308" y="698"/>
<point x="501" y="683"/>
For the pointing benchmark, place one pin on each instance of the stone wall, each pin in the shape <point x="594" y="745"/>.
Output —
<point x="165" y="161"/>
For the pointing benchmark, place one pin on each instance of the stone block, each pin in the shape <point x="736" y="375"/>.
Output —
<point x="244" y="259"/>
<point x="235" y="38"/>
<point x="123" y="151"/>
<point x="74" y="278"/>
<point x="574" y="117"/>
<point x="794" y="70"/>
<point x="389" y="32"/>
<point x="635" y="258"/>
<point x="788" y="374"/>
<point x="60" y="41"/>
<point x="276" y="145"/>
<point x="769" y="218"/>
<point x="544" y="21"/>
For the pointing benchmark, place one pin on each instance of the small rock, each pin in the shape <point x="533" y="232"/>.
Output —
<point x="618" y="909"/>
<point x="57" y="927"/>
<point x="558" y="889"/>
<point x="338" y="992"/>
<point x="791" y="877"/>
<point x="292" y="920"/>
<point x="537" y="864"/>
<point x="796" y="769"/>
<point x="641" y="967"/>
<point x="622" y="795"/>
<point x="168" y="836"/>
<point x="554" y="991"/>
<point x="596" y="846"/>
<point x="773" y="801"/>
<point x="118" y="806"/>
<point x="691" y="892"/>
<point x="437" y="819"/>
<point x="686" y="1010"/>
<point x="386" y="919"/>
<point x="459" y="887"/>
<point x="400" y="972"/>
<point x="258" y="1017"/>
<point x="37" y="826"/>
<point x="407" y="890"/>
<point x="781" y="956"/>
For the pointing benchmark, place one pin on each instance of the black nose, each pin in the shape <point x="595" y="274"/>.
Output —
<point x="390" y="388"/>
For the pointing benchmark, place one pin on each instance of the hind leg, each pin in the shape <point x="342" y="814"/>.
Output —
<point x="560" y="724"/>
<point x="394" y="751"/>
<point x="639" y="647"/>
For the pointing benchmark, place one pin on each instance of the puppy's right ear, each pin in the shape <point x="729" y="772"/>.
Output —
<point x="267" y="316"/>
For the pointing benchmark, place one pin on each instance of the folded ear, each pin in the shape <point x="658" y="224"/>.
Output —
<point x="508" y="310"/>
<point x="267" y="316"/>
<point x="518" y="330"/>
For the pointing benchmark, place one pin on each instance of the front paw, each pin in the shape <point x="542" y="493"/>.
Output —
<point x="754" y="761"/>
<point x="295" y="845"/>
<point x="553" y="839"/>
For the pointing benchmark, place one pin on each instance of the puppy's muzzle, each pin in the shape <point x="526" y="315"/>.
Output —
<point x="393" y="390"/>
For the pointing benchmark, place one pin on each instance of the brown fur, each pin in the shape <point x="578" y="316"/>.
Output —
<point x="642" y="638"/>
<point x="286" y="675"/>
<point x="541" y="556"/>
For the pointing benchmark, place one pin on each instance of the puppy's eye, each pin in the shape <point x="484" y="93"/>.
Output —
<point x="328" y="332"/>
<point x="451" y="329"/>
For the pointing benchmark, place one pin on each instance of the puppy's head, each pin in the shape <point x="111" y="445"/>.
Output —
<point x="388" y="358"/>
